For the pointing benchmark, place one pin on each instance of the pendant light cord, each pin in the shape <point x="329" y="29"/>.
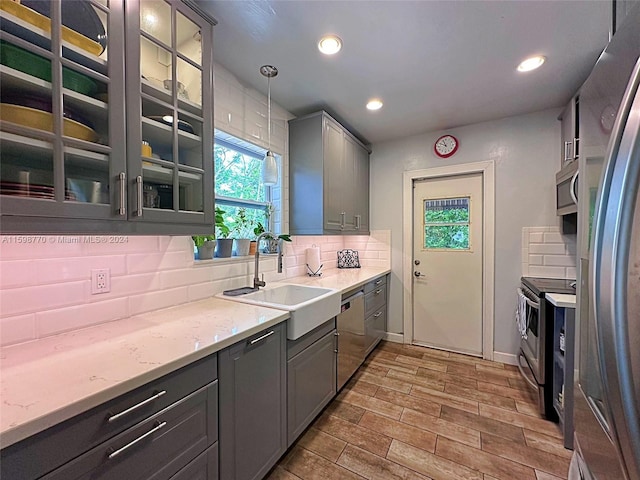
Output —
<point x="269" y="110"/>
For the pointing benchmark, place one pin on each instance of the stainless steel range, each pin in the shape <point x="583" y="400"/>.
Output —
<point x="536" y="346"/>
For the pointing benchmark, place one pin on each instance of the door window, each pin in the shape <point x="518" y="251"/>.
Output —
<point x="446" y="224"/>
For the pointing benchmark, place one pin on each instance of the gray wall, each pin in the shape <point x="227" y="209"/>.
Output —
<point x="526" y="151"/>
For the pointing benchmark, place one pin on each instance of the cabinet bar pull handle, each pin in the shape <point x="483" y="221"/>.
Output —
<point x="256" y="340"/>
<point x="342" y="215"/>
<point x="566" y="151"/>
<point x="115" y="417"/>
<point x="379" y="291"/>
<point x="122" y="210"/>
<point x="379" y="282"/>
<point x="139" y="192"/>
<point x="115" y="453"/>
<point x="358" y="221"/>
<point x="575" y="148"/>
<point x="377" y="314"/>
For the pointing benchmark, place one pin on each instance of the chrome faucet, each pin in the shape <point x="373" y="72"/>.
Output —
<point x="257" y="283"/>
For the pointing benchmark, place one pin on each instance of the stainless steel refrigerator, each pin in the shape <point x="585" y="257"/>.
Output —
<point x="607" y="392"/>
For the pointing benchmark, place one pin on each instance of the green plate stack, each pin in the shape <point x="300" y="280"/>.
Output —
<point x="39" y="67"/>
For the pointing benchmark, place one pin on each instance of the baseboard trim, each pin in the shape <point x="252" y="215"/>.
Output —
<point x="508" y="358"/>
<point x="394" y="337"/>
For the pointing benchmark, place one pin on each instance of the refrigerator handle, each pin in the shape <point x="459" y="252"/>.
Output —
<point x="609" y="272"/>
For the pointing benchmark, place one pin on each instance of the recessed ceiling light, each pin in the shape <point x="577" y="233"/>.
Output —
<point x="374" y="104"/>
<point x="531" y="63"/>
<point x="330" y="44"/>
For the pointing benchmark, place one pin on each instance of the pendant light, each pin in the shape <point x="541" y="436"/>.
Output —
<point x="269" y="165"/>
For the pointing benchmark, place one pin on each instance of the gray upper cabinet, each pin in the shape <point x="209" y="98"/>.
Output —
<point x="74" y="122"/>
<point x="328" y="178"/>
<point x="569" y="132"/>
<point x="253" y="401"/>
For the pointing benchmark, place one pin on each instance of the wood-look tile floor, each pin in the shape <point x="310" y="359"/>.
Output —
<point x="416" y="413"/>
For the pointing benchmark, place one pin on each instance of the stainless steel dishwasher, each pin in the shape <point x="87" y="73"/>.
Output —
<point x="351" y="338"/>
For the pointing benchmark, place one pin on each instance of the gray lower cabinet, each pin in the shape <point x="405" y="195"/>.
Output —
<point x="311" y="377"/>
<point x="375" y="312"/>
<point x="155" y="449"/>
<point x="149" y="433"/>
<point x="203" y="467"/>
<point x="253" y="416"/>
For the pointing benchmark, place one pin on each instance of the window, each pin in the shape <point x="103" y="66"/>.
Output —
<point x="446" y="223"/>
<point x="238" y="184"/>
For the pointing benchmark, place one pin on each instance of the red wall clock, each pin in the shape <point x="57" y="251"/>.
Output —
<point x="446" y="146"/>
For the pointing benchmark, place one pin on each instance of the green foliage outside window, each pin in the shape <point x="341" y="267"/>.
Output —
<point x="237" y="175"/>
<point x="446" y="227"/>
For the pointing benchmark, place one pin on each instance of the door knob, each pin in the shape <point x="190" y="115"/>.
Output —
<point x="418" y="274"/>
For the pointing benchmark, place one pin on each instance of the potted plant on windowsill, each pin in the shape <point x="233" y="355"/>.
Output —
<point x="224" y="244"/>
<point x="272" y="241"/>
<point x="206" y="244"/>
<point x="242" y="225"/>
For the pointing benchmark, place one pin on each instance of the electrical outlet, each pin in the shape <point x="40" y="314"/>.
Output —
<point x="100" y="281"/>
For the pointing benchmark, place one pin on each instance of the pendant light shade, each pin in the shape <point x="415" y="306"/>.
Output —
<point x="269" y="166"/>
<point x="269" y="169"/>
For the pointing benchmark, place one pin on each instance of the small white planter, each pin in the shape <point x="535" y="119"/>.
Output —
<point x="242" y="246"/>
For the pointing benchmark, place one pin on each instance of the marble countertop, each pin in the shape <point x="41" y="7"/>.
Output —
<point x="50" y="380"/>
<point x="561" y="299"/>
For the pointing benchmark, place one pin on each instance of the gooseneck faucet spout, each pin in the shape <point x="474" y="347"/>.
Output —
<point x="257" y="283"/>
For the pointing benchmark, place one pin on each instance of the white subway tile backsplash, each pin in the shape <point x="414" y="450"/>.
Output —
<point x="17" y="273"/>
<point x="548" y="248"/>
<point x="536" y="237"/>
<point x="547" y="253"/>
<point x="560" y="260"/>
<point x="17" y="329"/>
<point x="148" y="302"/>
<point x="546" y="272"/>
<point x="536" y="259"/>
<point x="15" y="301"/>
<point x="147" y="273"/>
<point x="152" y="262"/>
<point x="571" y="273"/>
<point x="78" y="268"/>
<point x="553" y="237"/>
<point x="61" y="320"/>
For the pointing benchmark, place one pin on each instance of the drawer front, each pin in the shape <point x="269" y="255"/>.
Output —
<point x="375" y="300"/>
<point x="203" y="467"/>
<point x="375" y="327"/>
<point x="294" y="347"/>
<point x="48" y="450"/>
<point x="375" y="284"/>
<point x="156" y="448"/>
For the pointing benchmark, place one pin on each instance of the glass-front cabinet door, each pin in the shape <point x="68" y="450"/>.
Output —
<point x="170" y="149"/>
<point x="62" y="135"/>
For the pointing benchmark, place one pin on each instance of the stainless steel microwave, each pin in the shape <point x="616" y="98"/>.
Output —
<point x="567" y="189"/>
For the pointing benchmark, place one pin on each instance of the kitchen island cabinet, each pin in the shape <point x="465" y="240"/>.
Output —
<point x="253" y="404"/>
<point x="328" y="178"/>
<point x="74" y="122"/>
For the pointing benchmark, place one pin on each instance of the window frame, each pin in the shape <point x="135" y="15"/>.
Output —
<point x="426" y="224"/>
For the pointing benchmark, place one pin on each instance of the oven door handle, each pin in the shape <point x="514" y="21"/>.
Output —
<point x="531" y="383"/>
<point x="533" y="305"/>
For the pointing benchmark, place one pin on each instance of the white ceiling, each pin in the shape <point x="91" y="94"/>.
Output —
<point x="435" y="64"/>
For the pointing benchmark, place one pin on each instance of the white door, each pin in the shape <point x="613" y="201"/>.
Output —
<point x="447" y="263"/>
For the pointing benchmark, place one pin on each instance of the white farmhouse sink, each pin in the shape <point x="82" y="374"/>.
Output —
<point x="308" y="307"/>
